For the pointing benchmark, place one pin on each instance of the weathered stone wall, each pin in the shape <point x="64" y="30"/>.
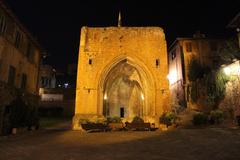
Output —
<point x="102" y="48"/>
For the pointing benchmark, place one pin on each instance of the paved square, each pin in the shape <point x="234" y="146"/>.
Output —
<point x="184" y="144"/>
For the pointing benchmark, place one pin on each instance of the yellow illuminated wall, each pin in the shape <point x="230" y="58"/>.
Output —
<point x="101" y="49"/>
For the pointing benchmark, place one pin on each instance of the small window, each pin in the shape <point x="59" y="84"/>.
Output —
<point x="173" y="54"/>
<point x="0" y="63"/>
<point x="157" y="62"/>
<point x="30" y="52"/>
<point x="2" y="24"/>
<point x="29" y="46"/>
<point x="24" y="81"/>
<point x="90" y="61"/>
<point x="11" y="75"/>
<point x="7" y="110"/>
<point x="189" y="47"/>
<point x="42" y="81"/>
<point x="122" y="112"/>
<point x="18" y="38"/>
<point x="188" y="93"/>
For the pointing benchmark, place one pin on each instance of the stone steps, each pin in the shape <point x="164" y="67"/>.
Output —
<point x="186" y="117"/>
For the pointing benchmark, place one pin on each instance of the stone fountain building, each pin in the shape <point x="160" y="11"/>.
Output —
<point x="122" y="71"/>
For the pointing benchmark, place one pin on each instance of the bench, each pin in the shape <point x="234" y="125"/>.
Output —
<point x="138" y="126"/>
<point x="95" y="127"/>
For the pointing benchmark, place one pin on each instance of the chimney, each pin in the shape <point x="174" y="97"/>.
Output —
<point x="198" y="34"/>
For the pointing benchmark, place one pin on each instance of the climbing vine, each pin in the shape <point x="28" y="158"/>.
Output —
<point x="215" y="83"/>
<point x="211" y="83"/>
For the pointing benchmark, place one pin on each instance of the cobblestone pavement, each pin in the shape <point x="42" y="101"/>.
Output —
<point x="184" y="144"/>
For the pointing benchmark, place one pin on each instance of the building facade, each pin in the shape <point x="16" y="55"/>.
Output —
<point x="47" y="77"/>
<point x="20" y="58"/>
<point x="181" y="53"/>
<point x="122" y="71"/>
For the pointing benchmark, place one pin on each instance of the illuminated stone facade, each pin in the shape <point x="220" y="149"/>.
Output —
<point x="181" y="52"/>
<point x="122" y="71"/>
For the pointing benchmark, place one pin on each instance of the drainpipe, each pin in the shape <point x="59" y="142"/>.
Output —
<point x="37" y="84"/>
<point x="238" y="34"/>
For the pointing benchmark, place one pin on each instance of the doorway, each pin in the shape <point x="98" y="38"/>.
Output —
<point x="122" y="112"/>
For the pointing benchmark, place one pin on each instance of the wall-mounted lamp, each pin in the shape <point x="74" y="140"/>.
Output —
<point x="142" y="96"/>
<point x="232" y="69"/>
<point x="172" y="76"/>
<point x="105" y="97"/>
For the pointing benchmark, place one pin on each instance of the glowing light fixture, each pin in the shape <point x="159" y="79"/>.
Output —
<point x="227" y="70"/>
<point x="172" y="77"/>
<point x="105" y="96"/>
<point x="66" y="85"/>
<point x="232" y="69"/>
<point x="142" y="96"/>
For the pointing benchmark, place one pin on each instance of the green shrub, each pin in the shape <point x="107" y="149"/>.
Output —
<point x="196" y="70"/>
<point x="168" y="118"/>
<point x="216" y="117"/>
<point x="32" y="118"/>
<point x="83" y="121"/>
<point x="92" y="121"/>
<point x="18" y="112"/>
<point x="114" y="120"/>
<point x="22" y="115"/>
<point x="137" y="119"/>
<point x="101" y="120"/>
<point x="200" y="119"/>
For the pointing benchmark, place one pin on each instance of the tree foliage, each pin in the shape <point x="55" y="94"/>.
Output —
<point x="215" y="84"/>
<point x="229" y="51"/>
<point x="213" y="81"/>
<point x="194" y="71"/>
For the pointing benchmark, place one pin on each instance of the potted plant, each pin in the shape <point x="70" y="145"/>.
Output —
<point x="167" y="119"/>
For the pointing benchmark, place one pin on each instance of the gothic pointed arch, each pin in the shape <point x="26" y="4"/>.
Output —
<point x="125" y="83"/>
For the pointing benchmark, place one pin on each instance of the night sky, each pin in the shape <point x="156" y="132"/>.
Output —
<point x="56" y="23"/>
